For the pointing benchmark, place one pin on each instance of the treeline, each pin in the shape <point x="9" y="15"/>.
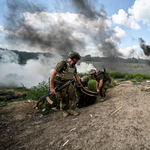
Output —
<point x="114" y="59"/>
<point x="24" y="56"/>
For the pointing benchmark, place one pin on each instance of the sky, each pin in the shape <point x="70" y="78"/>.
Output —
<point x="110" y="28"/>
<point x="91" y="27"/>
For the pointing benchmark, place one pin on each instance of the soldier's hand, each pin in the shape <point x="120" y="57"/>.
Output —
<point x="98" y="91"/>
<point x="52" y="90"/>
<point x="81" y="85"/>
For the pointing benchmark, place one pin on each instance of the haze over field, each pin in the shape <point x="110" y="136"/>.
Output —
<point x="96" y="28"/>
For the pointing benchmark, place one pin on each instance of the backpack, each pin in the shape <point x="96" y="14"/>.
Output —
<point x="106" y="75"/>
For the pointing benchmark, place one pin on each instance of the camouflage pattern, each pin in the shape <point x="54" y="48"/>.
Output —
<point x="106" y="82"/>
<point x="74" y="55"/>
<point x="80" y="98"/>
<point x="67" y="73"/>
<point x="78" y="91"/>
<point x="61" y="66"/>
<point x="67" y="95"/>
<point x="85" y="79"/>
<point x="64" y="94"/>
<point x="92" y="71"/>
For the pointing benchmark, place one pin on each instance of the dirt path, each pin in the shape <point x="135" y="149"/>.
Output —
<point x="98" y="127"/>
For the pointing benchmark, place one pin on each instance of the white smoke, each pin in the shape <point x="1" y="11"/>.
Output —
<point x="84" y="67"/>
<point x="34" y="72"/>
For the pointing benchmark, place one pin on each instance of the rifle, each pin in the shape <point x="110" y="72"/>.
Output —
<point x="49" y="94"/>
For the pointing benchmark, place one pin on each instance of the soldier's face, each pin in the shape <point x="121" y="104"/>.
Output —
<point x="93" y="75"/>
<point x="75" y="60"/>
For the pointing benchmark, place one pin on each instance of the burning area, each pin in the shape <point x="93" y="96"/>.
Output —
<point x="32" y="27"/>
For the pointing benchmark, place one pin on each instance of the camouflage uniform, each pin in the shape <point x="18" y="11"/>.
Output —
<point x="106" y="81"/>
<point x="80" y="98"/>
<point x="67" y="94"/>
<point x="78" y="90"/>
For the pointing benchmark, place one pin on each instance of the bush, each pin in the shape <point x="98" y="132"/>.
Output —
<point x="92" y="84"/>
<point x="117" y="74"/>
<point x="38" y="91"/>
<point x="112" y="84"/>
<point x="139" y="78"/>
<point x="85" y="74"/>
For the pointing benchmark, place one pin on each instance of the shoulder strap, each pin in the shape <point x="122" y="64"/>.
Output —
<point x="100" y="72"/>
<point x="65" y="64"/>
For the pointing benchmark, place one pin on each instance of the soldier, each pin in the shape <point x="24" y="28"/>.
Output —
<point x="102" y="82"/>
<point x="81" y="101"/>
<point x="63" y="72"/>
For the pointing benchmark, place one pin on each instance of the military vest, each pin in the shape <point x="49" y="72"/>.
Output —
<point x="66" y="74"/>
<point x="105" y="75"/>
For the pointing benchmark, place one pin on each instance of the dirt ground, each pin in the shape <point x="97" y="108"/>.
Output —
<point x="122" y="122"/>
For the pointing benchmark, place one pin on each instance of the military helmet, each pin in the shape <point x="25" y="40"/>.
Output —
<point x="85" y="78"/>
<point x="92" y="71"/>
<point x="74" y="55"/>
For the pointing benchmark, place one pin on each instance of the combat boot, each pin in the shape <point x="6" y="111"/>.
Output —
<point x="60" y="105"/>
<point x="35" y="104"/>
<point x="65" y="113"/>
<point x="74" y="113"/>
<point x="102" y="99"/>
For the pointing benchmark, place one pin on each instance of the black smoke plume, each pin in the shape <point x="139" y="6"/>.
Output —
<point x="102" y="37"/>
<point x="145" y="47"/>
<point x="87" y="8"/>
<point x="59" y="38"/>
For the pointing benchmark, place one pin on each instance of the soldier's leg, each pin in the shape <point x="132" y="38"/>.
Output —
<point x="72" y="99"/>
<point x="62" y="97"/>
<point x="103" y="92"/>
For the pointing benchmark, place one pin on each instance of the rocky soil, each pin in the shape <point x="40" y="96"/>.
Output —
<point x="122" y="122"/>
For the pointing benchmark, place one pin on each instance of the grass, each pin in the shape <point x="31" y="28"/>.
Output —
<point x="36" y="92"/>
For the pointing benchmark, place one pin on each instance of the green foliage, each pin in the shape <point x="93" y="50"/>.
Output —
<point x="92" y="84"/>
<point x="41" y="89"/>
<point x="20" y="89"/>
<point x="117" y="74"/>
<point x="146" y="76"/>
<point x="143" y="90"/>
<point x="139" y="78"/>
<point x="126" y="76"/>
<point x="134" y="81"/>
<point x="8" y="93"/>
<point x="112" y="84"/>
<point x="85" y="74"/>
<point x="46" y="107"/>
<point x="38" y="91"/>
<point x="3" y="104"/>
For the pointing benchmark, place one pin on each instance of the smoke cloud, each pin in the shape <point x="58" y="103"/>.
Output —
<point x="35" y="71"/>
<point x="30" y="26"/>
<point x="145" y="47"/>
<point x="55" y="36"/>
<point x="102" y="35"/>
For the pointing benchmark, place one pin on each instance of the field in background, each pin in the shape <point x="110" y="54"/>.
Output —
<point x="122" y="67"/>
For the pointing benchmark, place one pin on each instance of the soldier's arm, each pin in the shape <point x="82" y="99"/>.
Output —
<point x="100" y="84"/>
<point x="52" y="89"/>
<point x="97" y="87"/>
<point x="77" y="78"/>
